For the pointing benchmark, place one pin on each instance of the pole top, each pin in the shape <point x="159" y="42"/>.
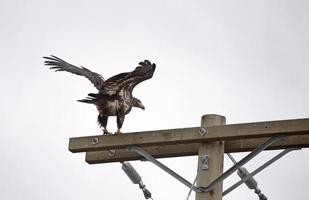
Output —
<point x="213" y="120"/>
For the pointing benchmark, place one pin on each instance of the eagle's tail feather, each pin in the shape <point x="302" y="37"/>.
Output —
<point x="92" y="98"/>
<point x="95" y="95"/>
<point x="86" y="101"/>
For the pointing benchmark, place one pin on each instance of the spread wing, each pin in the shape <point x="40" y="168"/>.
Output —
<point x="61" y="65"/>
<point x="129" y="80"/>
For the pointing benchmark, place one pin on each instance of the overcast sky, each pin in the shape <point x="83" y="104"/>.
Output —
<point x="246" y="60"/>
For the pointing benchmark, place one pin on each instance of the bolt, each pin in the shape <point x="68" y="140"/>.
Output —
<point x="203" y="131"/>
<point x="95" y="140"/>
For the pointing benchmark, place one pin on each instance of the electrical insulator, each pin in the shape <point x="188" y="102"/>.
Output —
<point x="135" y="178"/>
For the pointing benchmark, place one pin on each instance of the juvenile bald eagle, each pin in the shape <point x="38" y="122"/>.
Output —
<point x="114" y="97"/>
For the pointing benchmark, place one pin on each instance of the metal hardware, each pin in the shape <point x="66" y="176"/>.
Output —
<point x="131" y="173"/>
<point x="146" y="155"/>
<point x="204" y="163"/>
<point x="135" y="178"/>
<point x="111" y="153"/>
<point x="189" y="193"/>
<point x="203" y="131"/>
<point x="231" y="157"/>
<point x="218" y="180"/>
<point x="243" y="161"/>
<point x="251" y="182"/>
<point x="247" y="177"/>
<point x="95" y="140"/>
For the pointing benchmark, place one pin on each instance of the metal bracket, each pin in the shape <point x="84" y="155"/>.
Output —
<point x="148" y="157"/>
<point x="243" y="161"/>
<point x="218" y="180"/>
<point x="203" y="131"/>
<point x="204" y="163"/>
<point x="262" y="167"/>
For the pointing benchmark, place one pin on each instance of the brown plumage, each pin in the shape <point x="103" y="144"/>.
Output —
<point x="114" y="97"/>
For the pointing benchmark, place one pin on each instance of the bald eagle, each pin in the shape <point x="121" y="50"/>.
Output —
<point x="114" y="97"/>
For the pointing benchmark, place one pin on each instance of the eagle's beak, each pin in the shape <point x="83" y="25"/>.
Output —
<point x="137" y="103"/>
<point x="141" y="106"/>
<point x="153" y="67"/>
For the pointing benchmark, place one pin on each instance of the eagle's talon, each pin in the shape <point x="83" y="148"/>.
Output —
<point x="105" y="132"/>
<point x="118" y="132"/>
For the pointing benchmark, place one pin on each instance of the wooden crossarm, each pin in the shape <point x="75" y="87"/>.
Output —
<point x="191" y="135"/>
<point x="167" y="151"/>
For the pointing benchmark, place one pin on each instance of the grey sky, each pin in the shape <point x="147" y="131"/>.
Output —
<point x="247" y="60"/>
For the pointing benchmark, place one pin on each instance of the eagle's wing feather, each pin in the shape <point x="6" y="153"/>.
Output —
<point x="61" y="65"/>
<point x="117" y="77"/>
<point x="129" y="80"/>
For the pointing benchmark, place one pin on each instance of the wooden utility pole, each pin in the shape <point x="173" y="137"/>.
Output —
<point x="211" y="140"/>
<point x="214" y="151"/>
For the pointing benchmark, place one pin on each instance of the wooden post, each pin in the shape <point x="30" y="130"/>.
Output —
<point x="217" y="139"/>
<point x="215" y="152"/>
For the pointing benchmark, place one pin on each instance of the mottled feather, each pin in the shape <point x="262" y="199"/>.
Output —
<point x="114" y="97"/>
<point x="60" y="65"/>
